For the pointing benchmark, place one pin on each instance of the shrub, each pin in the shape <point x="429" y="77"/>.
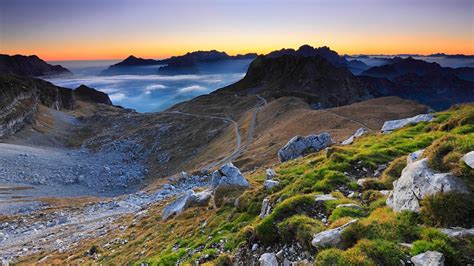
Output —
<point x="345" y="212"/>
<point x="300" y="228"/>
<point x="382" y="252"/>
<point x="223" y="260"/>
<point x="332" y="256"/>
<point x="393" y="171"/>
<point x="448" y="209"/>
<point x="301" y="204"/>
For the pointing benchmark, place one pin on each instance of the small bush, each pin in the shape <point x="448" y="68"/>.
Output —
<point x="332" y="256"/>
<point x="382" y="252"/>
<point x="448" y="209"/>
<point x="301" y="204"/>
<point x="393" y="171"/>
<point x="223" y="260"/>
<point x="300" y="228"/>
<point x="345" y="212"/>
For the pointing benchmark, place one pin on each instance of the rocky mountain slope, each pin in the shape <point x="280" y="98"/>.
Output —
<point x="189" y="63"/>
<point x="31" y="66"/>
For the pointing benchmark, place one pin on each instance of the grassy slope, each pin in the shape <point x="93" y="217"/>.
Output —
<point x="374" y="240"/>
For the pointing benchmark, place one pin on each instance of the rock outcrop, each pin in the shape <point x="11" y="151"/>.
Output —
<point x="268" y="259"/>
<point x="330" y="238"/>
<point x="91" y="95"/>
<point x="270" y="173"/>
<point x="392" y="125"/>
<point x="359" y="132"/>
<point x="429" y="258"/>
<point x="418" y="181"/>
<point x="227" y="182"/>
<point x="458" y="232"/>
<point x="269" y="184"/>
<point x="266" y="208"/>
<point x="185" y="201"/>
<point x="31" y="66"/>
<point x="299" y="146"/>
<point x="468" y="158"/>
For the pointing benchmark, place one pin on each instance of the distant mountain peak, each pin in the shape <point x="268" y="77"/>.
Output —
<point x="31" y="66"/>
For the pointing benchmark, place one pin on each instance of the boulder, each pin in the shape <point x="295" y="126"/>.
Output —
<point x="270" y="173"/>
<point x="418" y="181"/>
<point x="392" y="125"/>
<point x="299" y="146"/>
<point x="458" y="232"/>
<point x="227" y="182"/>
<point x="186" y="200"/>
<point x="324" y="197"/>
<point x="429" y="258"/>
<point x="268" y="259"/>
<point x="359" y="132"/>
<point x="349" y="205"/>
<point x="468" y="158"/>
<point x="269" y="184"/>
<point x="266" y="208"/>
<point x="332" y="237"/>
<point x="415" y="156"/>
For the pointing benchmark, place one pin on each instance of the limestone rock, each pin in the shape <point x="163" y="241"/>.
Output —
<point x="468" y="158"/>
<point x="359" y="132"/>
<point x="414" y="156"/>
<point x="392" y="125"/>
<point x="418" y="181"/>
<point x="269" y="184"/>
<point x="268" y="259"/>
<point x="227" y="182"/>
<point x="186" y="200"/>
<point x="270" y="173"/>
<point x="332" y="237"/>
<point x="458" y="232"/>
<point x="266" y="208"/>
<point x="429" y="258"/>
<point x="299" y="146"/>
<point x="349" y="205"/>
<point x="324" y="197"/>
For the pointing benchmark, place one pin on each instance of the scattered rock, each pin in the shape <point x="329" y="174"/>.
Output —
<point x="361" y="181"/>
<point x="299" y="146"/>
<point x="186" y="200"/>
<point x="392" y="125"/>
<point x="266" y="208"/>
<point x="359" y="132"/>
<point x="254" y="247"/>
<point x="429" y="258"/>
<point x="458" y="232"/>
<point x="415" y="156"/>
<point x="268" y="259"/>
<point x="324" y="197"/>
<point x="332" y="237"/>
<point x="417" y="181"/>
<point x="270" y="173"/>
<point x="349" y="205"/>
<point x="269" y="184"/>
<point x="227" y="182"/>
<point x="468" y="158"/>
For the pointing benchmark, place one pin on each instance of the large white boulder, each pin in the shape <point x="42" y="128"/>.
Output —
<point x="270" y="173"/>
<point x="269" y="184"/>
<point x="392" y="125"/>
<point x="330" y="238"/>
<point x="299" y="145"/>
<point x="415" y="156"/>
<point x="227" y="182"/>
<point x="268" y="259"/>
<point x="468" y="158"/>
<point x="186" y="200"/>
<point x="429" y="258"/>
<point x="359" y="132"/>
<point x="418" y="181"/>
<point x="266" y="208"/>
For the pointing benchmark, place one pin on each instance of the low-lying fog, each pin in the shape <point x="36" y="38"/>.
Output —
<point x="147" y="93"/>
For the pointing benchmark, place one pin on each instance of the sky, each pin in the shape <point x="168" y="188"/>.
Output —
<point x="113" y="29"/>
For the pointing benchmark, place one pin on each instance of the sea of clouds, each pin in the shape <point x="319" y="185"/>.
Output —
<point x="146" y="93"/>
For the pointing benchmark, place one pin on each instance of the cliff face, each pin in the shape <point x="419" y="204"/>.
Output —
<point x="31" y="66"/>
<point x="20" y="97"/>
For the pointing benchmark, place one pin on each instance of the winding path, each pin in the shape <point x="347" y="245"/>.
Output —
<point x="239" y="148"/>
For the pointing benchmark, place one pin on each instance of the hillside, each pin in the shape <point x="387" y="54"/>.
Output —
<point x="31" y="66"/>
<point x="235" y="232"/>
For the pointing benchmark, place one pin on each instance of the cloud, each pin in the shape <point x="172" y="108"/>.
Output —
<point x="193" y="88"/>
<point x="148" y="89"/>
<point x="117" y="97"/>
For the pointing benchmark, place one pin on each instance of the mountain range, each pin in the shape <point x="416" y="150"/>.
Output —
<point x="31" y="66"/>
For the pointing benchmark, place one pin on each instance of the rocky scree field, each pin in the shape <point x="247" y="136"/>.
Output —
<point x="328" y="208"/>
